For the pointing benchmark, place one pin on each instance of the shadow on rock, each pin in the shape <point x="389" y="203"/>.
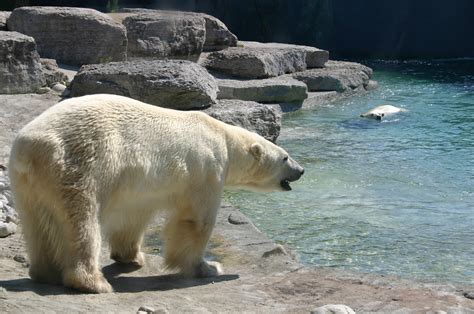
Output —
<point x="155" y="282"/>
<point x="26" y="284"/>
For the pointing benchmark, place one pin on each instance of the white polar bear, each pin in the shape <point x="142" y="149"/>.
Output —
<point x="108" y="162"/>
<point x="380" y="112"/>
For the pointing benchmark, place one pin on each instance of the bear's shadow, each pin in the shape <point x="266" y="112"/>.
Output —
<point x="120" y="284"/>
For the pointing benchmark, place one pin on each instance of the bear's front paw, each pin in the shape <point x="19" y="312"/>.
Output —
<point x="209" y="269"/>
<point x="90" y="283"/>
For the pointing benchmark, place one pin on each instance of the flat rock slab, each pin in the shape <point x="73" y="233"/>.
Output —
<point x="159" y="35"/>
<point x="72" y="35"/>
<point x="271" y="90"/>
<point x="255" y="63"/>
<point x="315" y="58"/>
<point x="261" y="119"/>
<point x="4" y="15"/>
<point x="218" y="35"/>
<point x="336" y="76"/>
<point x="20" y="67"/>
<point x="175" y="84"/>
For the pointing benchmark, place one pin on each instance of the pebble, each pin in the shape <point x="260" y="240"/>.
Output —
<point x="469" y="295"/>
<point x="237" y="218"/>
<point x="333" y="309"/>
<point x="19" y="258"/>
<point x="278" y="250"/>
<point x="146" y="309"/>
<point x="6" y="229"/>
<point x="3" y="293"/>
<point x="43" y="90"/>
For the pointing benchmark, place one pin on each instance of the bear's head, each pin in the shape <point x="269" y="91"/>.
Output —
<point x="373" y="115"/>
<point x="271" y="167"/>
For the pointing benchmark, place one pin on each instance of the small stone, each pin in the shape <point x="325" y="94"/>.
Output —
<point x="469" y="295"/>
<point x="371" y="85"/>
<point x="19" y="258"/>
<point x="333" y="309"/>
<point x="146" y="309"/>
<point x="43" y="90"/>
<point x="59" y="88"/>
<point x="7" y="229"/>
<point x="3" y="293"/>
<point x="237" y="219"/>
<point x="278" y="250"/>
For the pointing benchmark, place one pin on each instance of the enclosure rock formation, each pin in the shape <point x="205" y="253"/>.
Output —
<point x="158" y="36"/>
<point x="4" y="15"/>
<point x="262" y="119"/>
<point x="176" y="84"/>
<point x="20" y="67"/>
<point x="72" y="35"/>
<point x="271" y="90"/>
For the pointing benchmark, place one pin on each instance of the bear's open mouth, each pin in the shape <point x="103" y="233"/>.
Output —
<point x="285" y="184"/>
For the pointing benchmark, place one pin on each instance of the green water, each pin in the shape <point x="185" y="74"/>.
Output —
<point x="391" y="197"/>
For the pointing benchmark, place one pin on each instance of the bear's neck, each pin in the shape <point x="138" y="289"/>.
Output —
<point x="239" y="163"/>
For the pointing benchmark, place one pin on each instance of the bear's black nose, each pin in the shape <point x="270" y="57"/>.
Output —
<point x="302" y="171"/>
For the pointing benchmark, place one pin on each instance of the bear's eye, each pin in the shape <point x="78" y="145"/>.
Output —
<point x="285" y="158"/>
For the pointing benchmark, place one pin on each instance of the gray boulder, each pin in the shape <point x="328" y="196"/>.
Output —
<point x="52" y="73"/>
<point x="20" y="67"/>
<point x="339" y="77"/>
<point x="217" y="36"/>
<point x="176" y="84"/>
<point x="253" y="63"/>
<point x="156" y="35"/>
<point x="271" y="90"/>
<point x="315" y="58"/>
<point x="261" y="119"/>
<point x="4" y="15"/>
<point x="72" y="35"/>
<point x="346" y="65"/>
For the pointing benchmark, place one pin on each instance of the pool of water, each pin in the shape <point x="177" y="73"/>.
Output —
<point x="391" y="197"/>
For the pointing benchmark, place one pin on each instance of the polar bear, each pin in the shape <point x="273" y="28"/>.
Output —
<point x="380" y="112"/>
<point x="108" y="163"/>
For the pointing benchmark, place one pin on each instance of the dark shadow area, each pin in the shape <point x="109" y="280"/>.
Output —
<point x="163" y="282"/>
<point x="42" y="289"/>
<point x="120" y="284"/>
<point x="152" y="283"/>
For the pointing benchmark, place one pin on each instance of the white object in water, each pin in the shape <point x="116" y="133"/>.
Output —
<point x="380" y="112"/>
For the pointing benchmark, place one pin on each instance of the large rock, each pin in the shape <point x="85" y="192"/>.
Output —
<point x="218" y="35"/>
<point x="271" y="90"/>
<point x="336" y="76"/>
<point x="315" y="58"/>
<point x="157" y="35"/>
<point x="4" y="15"/>
<point x="261" y="119"/>
<point x="20" y="67"/>
<point x="253" y="63"/>
<point x="72" y="35"/>
<point x="176" y="84"/>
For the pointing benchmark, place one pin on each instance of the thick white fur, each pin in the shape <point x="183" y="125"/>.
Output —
<point x="105" y="162"/>
<point x="382" y="111"/>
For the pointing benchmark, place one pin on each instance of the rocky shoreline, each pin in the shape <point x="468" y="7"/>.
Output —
<point x="185" y="61"/>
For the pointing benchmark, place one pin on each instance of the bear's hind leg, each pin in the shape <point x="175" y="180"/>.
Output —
<point x="125" y="229"/>
<point x="81" y="261"/>
<point x="186" y="235"/>
<point x="40" y="230"/>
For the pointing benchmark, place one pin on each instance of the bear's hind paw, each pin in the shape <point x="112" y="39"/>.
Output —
<point x="209" y="269"/>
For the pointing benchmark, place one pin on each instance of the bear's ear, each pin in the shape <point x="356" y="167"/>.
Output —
<point x="256" y="149"/>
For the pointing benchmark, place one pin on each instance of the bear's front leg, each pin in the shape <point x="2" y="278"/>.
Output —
<point x="186" y="235"/>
